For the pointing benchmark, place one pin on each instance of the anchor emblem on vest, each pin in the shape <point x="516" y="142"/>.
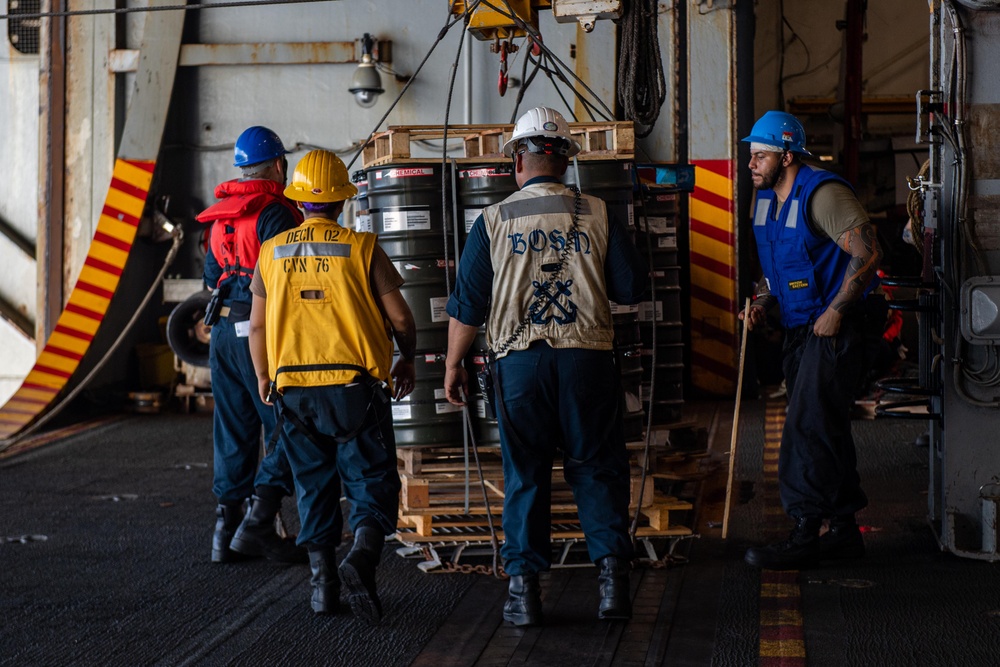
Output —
<point x="549" y="302"/>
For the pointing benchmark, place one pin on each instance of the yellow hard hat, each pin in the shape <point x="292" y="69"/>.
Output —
<point x="320" y="177"/>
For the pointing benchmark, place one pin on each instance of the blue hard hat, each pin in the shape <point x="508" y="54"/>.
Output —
<point x="777" y="128"/>
<point x="257" y="144"/>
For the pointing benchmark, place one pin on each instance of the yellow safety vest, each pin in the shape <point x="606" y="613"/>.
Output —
<point x="307" y="337"/>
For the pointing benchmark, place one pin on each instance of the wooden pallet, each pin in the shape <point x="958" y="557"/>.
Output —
<point x="441" y="488"/>
<point x="430" y="458"/>
<point x="446" y="491"/>
<point x="474" y="527"/>
<point x="483" y="143"/>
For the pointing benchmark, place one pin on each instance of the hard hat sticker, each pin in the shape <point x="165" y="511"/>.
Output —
<point x="550" y="126"/>
<point x="787" y="136"/>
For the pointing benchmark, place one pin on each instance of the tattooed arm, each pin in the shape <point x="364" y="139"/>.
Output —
<point x="861" y="243"/>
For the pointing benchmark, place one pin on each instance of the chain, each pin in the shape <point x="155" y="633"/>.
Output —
<point x="448" y="567"/>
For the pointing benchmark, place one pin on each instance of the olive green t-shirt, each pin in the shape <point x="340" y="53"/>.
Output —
<point x="833" y="210"/>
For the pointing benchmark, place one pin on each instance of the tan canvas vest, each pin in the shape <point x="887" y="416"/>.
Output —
<point x="528" y="233"/>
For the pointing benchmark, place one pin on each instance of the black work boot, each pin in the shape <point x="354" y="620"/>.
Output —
<point x="257" y="536"/>
<point x="524" y="600"/>
<point x="358" y="573"/>
<point x="325" y="582"/>
<point x="228" y="517"/>
<point x="842" y="540"/>
<point x="801" y="549"/>
<point x="612" y="580"/>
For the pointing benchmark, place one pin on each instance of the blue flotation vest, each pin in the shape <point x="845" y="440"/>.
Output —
<point x="804" y="270"/>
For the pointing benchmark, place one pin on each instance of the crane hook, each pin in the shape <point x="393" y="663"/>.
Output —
<point x="502" y="79"/>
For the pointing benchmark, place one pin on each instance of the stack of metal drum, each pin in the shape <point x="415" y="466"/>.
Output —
<point x="661" y="327"/>
<point x="612" y="181"/>
<point x="405" y="203"/>
<point x="422" y="216"/>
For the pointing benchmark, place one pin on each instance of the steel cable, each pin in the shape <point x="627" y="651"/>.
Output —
<point x="642" y="87"/>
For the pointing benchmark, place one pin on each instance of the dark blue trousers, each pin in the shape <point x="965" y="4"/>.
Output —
<point x="561" y="400"/>
<point x="366" y="464"/>
<point x="817" y="465"/>
<point x="237" y="421"/>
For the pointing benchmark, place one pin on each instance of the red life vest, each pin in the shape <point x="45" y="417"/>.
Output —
<point x="233" y="240"/>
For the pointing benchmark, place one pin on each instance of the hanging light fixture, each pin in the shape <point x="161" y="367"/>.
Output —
<point x="366" y="84"/>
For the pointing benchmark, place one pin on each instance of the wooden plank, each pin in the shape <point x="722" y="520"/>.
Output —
<point x="415" y="492"/>
<point x="658" y="514"/>
<point x="483" y="143"/>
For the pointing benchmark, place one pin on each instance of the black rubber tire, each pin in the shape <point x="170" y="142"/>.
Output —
<point x="181" y="329"/>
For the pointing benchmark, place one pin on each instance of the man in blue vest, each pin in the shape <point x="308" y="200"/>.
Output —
<point x="252" y="209"/>
<point x="539" y="269"/>
<point x="819" y="255"/>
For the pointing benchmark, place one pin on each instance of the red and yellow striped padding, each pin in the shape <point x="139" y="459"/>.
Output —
<point x="89" y="300"/>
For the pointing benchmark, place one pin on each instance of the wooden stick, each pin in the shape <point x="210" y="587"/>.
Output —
<point x="736" y="423"/>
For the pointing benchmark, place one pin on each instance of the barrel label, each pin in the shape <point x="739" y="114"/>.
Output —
<point x="400" y="411"/>
<point x="409" y="172"/>
<point x="470" y="218"/>
<point x="406" y="221"/>
<point x="485" y="172"/>
<point x="438" y="312"/>
<point x="657" y="225"/>
<point x="445" y="408"/>
<point x="668" y="241"/>
<point x="619" y="309"/>
<point x="363" y="223"/>
<point x="631" y="215"/>
<point x="646" y="311"/>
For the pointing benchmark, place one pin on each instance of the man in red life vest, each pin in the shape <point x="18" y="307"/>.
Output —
<point x="252" y="209"/>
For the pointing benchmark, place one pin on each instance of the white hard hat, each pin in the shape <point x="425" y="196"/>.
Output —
<point x="543" y="122"/>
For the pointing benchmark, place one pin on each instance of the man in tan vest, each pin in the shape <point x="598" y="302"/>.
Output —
<point x="539" y="269"/>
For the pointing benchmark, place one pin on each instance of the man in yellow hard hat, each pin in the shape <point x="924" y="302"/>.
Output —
<point x="324" y="301"/>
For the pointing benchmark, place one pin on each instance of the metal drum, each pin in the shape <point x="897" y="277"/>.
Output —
<point x="426" y="292"/>
<point x="668" y="385"/>
<point x="362" y="217"/>
<point x="611" y="180"/>
<point x="425" y="417"/>
<point x="404" y="202"/>
<point x="405" y="207"/>
<point x="656" y="216"/>
<point x="630" y="365"/>
<point x="657" y="220"/>
<point x="480" y="186"/>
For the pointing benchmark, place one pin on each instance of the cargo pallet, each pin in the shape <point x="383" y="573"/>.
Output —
<point x="442" y="495"/>
<point x="481" y="144"/>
